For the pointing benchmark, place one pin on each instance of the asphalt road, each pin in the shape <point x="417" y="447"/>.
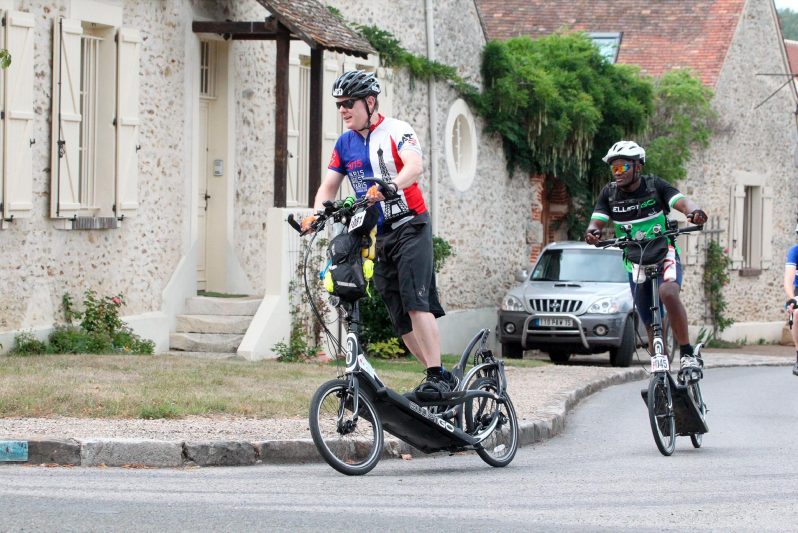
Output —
<point x="603" y="473"/>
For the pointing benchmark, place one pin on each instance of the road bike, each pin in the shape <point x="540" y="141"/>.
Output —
<point x="675" y="407"/>
<point x="349" y="414"/>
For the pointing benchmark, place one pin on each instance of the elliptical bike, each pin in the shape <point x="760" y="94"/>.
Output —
<point x="349" y="414"/>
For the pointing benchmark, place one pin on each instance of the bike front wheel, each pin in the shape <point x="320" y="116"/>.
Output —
<point x="349" y="442"/>
<point x="660" y="413"/>
<point x="499" y="447"/>
<point x="694" y="391"/>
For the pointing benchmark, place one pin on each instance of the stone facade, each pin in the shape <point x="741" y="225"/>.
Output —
<point x="755" y="138"/>
<point x="486" y="225"/>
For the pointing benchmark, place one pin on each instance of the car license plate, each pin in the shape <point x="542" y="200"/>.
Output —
<point x="556" y="322"/>
<point x="659" y="363"/>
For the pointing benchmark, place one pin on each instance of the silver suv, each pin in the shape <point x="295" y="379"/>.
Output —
<point x="576" y="300"/>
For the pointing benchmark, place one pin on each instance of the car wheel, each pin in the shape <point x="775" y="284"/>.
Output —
<point x="512" y="350"/>
<point x="559" y="357"/>
<point x="622" y="355"/>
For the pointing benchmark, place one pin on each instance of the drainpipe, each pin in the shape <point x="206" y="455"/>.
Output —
<point x="433" y="123"/>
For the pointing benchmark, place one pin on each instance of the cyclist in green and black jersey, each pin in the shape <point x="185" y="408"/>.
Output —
<point x="643" y="202"/>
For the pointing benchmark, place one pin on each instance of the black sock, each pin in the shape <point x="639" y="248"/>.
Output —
<point x="434" y="371"/>
<point x="686" y="349"/>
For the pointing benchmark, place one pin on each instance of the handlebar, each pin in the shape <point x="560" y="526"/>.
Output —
<point x="627" y="240"/>
<point x="340" y="209"/>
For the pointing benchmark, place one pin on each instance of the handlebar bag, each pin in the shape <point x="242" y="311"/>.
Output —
<point x="346" y="267"/>
<point x="651" y="254"/>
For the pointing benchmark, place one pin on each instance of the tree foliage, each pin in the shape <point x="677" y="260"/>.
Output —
<point x="558" y="105"/>
<point x="789" y="23"/>
<point x="683" y="120"/>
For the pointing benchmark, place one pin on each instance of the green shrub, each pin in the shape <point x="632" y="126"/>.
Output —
<point x="389" y="349"/>
<point x="73" y="339"/>
<point x="26" y="344"/>
<point x="100" y="330"/>
<point x="298" y="347"/>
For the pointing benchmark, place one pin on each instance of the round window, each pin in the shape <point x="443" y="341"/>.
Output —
<point x="461" y="145"/>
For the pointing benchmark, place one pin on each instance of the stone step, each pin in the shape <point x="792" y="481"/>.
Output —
<point x="205" y="305"/>
<point x="205" y="342"/>
<point x="213" y="323"/>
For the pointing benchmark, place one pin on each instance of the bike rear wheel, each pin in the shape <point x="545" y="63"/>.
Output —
<point x="660" y="413"/>
<point x="352" y="447"/>
<point x="499" y="447"/>
<point x="694" y="391"/>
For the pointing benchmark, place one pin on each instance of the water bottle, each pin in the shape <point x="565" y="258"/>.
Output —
<point x="669" y="265"/>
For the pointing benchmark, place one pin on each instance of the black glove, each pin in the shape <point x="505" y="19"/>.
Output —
<point x="390" y="190"/>
<point x="698" y="217"/>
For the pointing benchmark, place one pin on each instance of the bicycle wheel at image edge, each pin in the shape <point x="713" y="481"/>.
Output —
<point x="661" y="415"/>
<point x="694" y="391"/>
<point x="352" y="448"/>
<point x="499" y="447"/>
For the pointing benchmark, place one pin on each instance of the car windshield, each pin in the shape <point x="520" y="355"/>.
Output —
<point x="580" y="265"/>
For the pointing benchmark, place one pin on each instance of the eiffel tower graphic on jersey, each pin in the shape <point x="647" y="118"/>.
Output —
<point x="393" y="208"/>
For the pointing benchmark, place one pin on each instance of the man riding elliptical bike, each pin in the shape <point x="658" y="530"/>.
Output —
<point x="389" y="149"/>
<point x="644" y="202"/>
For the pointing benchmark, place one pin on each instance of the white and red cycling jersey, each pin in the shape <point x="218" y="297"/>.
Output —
<point x="377" y="155"/>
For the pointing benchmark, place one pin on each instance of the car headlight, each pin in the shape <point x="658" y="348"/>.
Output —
<point x="511" y="303"/>
<point x="605" y="306"/>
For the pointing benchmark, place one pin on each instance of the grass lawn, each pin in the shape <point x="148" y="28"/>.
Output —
<point x="141" y="386"/>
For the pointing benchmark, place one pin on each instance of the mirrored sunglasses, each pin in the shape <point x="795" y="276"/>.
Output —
<point x="620" y="168"/>
<point x="348" y="104"/>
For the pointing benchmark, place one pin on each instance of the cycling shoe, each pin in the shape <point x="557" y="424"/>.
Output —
<point x="691" y="368"/>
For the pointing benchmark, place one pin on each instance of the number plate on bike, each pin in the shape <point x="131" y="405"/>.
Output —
<point x="357" y="220"/>
<point x="555" y="322"/>
<point x="659" y="363"/>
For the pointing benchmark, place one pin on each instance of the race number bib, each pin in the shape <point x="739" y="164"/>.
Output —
<point x="659" y="363"/>
<point x="357" y="220"/>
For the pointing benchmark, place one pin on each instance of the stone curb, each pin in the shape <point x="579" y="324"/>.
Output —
<point x="165" y="454"/>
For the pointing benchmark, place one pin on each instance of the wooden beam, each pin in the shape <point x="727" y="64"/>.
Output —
<point x="281" y="118"/>
<point x="267" y="28"/>
<point x="315" y="168"/>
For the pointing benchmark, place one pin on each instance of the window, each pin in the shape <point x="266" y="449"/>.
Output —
<point x="89" y="112"/>
<point x="461" y="145"/>
<point x="750" y="226"/>
<point x="94" y="172"/>
<point x="608" y="44"/>
<point x="16" y="122"/>
<point x="208" y="69"/>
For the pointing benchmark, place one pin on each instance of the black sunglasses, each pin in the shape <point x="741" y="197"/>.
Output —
<point x="349" y="104"/>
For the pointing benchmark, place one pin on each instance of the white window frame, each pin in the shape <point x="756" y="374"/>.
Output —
<point x="16" y="125"/>
<point x="461" y="145"/>
<point x="608" y="43"/>
<point x="95" y="122"/>
<point x="750" y="223"/>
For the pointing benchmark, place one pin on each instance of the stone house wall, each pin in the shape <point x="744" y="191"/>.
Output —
<point x="487" y="225"/>
<point x="760" y="141"/>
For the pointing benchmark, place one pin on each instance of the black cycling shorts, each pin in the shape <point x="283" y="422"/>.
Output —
<point x="404" y="274"/>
